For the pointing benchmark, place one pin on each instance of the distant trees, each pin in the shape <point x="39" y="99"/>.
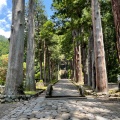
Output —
<point x="46" y="34"/>
<point x="4" y="45"/>
<point x="109" y="35"/>
<point x="77" y="20"/>
<point x="69" y="19"/>
<point x="3" y="68"/>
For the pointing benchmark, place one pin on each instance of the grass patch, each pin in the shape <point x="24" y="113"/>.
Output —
<point x="30" y="92"/>
<point x="113" y="91"/>
<point x="53" y="81"/>
<point x="41" y="88"/>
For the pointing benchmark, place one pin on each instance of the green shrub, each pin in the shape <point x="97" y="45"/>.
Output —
<point x="41" y="81"/>
<point x="53" y="81"/>
<point x="2" y="82"/>
<point x="3" y="68"/>
<point x="37" y="75"/>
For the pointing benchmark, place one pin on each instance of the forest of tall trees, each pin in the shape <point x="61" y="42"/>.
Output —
<point x="84" y="33"/>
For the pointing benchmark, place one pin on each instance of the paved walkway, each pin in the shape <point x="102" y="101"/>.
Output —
<point x="41" y="108"/>
<point x="65" y="88"/>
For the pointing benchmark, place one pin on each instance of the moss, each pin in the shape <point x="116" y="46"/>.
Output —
<point x="53" y="81"/>
<point x="30" y="92"/>
<point x="42" y="88"/>
<point x="41" y="81"/>
<point x="113" y="91"/>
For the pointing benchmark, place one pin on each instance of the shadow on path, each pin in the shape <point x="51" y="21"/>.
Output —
<point x="65" y="87"/>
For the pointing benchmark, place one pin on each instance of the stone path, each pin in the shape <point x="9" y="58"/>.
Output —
<point x="65" y="88"/>
<point x="7" y="107"/>
<point x="41" y="108"/>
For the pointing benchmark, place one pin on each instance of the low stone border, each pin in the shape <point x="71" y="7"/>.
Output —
<point x="81" y="89"/>
<point x="49" y="90"/>
<point x="13" y="98"/>
<point x="2" y="88"/>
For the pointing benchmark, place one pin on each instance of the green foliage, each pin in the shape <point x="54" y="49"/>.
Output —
<point x="47" y="30"/>
<point x="69" y="73"/>
<point x="2" y="82"/>
<point x="67" y="45"/>
<point x="113" y="67"/>
<point x="41" y="81"/>
<point x="3" y="68"/>
<point x="55" y="48"/>
<point x="53" y="81"/>
<point x="37" y="75"/>
<point x="4" y="45"/>
<point x="24" y="69"/>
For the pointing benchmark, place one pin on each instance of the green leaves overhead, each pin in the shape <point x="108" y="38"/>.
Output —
<point x="47" y="30"/>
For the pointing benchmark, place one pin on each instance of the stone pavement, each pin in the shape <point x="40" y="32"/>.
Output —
<point x="74" y="108"/>
<point x="42" y="108"/>
<point x="65" y="87"/>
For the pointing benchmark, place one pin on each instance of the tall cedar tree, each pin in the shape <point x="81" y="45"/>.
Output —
<point x="15" y="63"/>
<point x="101" y="74"/>
<point x="30" y="76"/>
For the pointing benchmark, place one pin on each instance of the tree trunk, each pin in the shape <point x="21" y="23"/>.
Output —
<point x="71" y="69"/>
<point x="45" y="82"/>
<point x="40" y="62"/>
<point x="15" y="63"/>
<point x="101" y="74"/>
<point x="74" y="61"/>
<point x="85" y="63"/>
<point x="40" y="55"/>
<point x="77" y="62"/>
<point x="48" y="66"/>
<point x="80" y="65"/>
<point x="50" y="70"/>
<point x="30" y="75"/>
<point x="116" y="13"/>
<point x="90" y="50"/>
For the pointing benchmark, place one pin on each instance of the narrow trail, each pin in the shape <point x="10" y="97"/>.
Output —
<point x="65" y="87"/>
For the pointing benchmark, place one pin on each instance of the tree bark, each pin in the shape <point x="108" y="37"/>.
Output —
<point x="80" y="65"/>
<point x="85" y="63"/>
<point x="90" y="50"/>
<point x="74" y="61"/>
<point x="116" y="13"/>
<point x="45" y="82"/>
<point x="48" y="65"/>
<point x="77" y="62"/>
<point x="30" y="75"/>
<point x="93" y="64"/>
<point x="40" y="61"/>
<point x="15" y="63"/>
<point x="101" y="74"/>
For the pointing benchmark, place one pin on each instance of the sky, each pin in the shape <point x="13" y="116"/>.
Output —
<point x="6" y="15"/>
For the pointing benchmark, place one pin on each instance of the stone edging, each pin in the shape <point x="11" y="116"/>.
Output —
<point x="13" y="98"/>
